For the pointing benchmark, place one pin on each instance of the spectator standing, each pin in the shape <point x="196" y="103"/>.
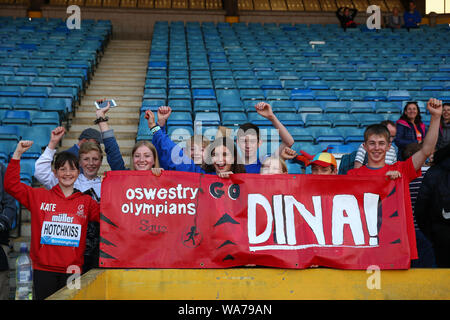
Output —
<point x="410" y="127"/>
<point x="346" y="17"/>
<point x="432" y="208"/>
<point x="7" y="215"/>
<point x="395" y="20"/>
<point x="444" y="132"/>
<point x="412" y="17"/>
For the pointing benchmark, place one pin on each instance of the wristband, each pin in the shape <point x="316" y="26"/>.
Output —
<point x="98" y="120"/>
<point x="155" y="128"/>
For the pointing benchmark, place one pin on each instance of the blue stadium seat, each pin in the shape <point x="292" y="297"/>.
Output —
<point x="204" y="94"/>
<point x="353" y="135"/>
<point x="181" y="118"/>
<point x="247" y="84"/>
<point x="398" y="95"/>
<point x="252" y="94"/>
<point x="178" y="84"/>
<point x="290" y="118"/>
<point x="180" y="105"/>
<point x="374" y="95"/>
<point x="361" y="107"/>
<point x="301" y="134"/>
<point x="273" y="94"/>
<point x="233" y="118"/>
<point x="207" y="119"/>
<point x="152" y="104"/>
<point x="37" y="92"/>
<point x="388" y="107"/>
<point x="155" y="84"/>
<point x="343" y="120"/>
<point x="6" y="103"/>
<point x="17" y="117"/>
<point x="11" y="91"/>
<point x="156" y="94"/>
<point x="205" y="83"/>
<point x="205" y="106"/>
<point x="298" y="94"/>
<point x="371" y="119"/>
<point x="27" y="104"/>
<point x="335" y="107"/>
<point x="180" y="133"/>
<point x="320" y="120"/>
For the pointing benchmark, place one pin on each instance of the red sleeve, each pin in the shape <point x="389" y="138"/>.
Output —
<point x="408" y="171"/>
<point x="14" y="186"/>
<point x="94" y="210"/>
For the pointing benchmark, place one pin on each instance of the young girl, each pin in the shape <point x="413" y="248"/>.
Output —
<point x="59" y="219"/>
<point x="220" y="156"/>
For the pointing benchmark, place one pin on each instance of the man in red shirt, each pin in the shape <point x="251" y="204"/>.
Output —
<point x="377" y="143"/>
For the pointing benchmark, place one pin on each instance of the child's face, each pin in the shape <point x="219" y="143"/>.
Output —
<point x="143" y="158"/>
<point x="249" y="144"/>
<point x="271" y="166"/>
<point x="67" y="175"/>
<point x="222" y="159"/>
<point x="376" y="147"/>
<point x="196" y="153"/>
<point x="90" y="162"/>
<point x="316" y="169"/>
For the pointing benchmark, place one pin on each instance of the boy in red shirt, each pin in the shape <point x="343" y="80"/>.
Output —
<point x="59" y="219"/>
<point x="377" y="143"/>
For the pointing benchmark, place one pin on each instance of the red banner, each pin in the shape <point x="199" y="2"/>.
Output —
<point x="190" y="220"/>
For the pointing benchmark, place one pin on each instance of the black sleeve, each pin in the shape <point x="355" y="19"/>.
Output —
<point x="424" y="202"/>
<point x="8" y="203"/>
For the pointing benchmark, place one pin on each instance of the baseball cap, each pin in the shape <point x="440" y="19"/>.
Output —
<point x="91" y="133"/>
<point x="324" y="159"/>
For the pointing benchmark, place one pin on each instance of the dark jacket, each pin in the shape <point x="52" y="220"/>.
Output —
<point x="406" y="134"/>
<point x="7" y="217"/>
<point x="432" y="208"/>
<point x="347" y="21"/>
<point x="444" y="136"/>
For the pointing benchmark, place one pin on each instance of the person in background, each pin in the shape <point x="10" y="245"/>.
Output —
<point x="395" y="20"/>
<point x="377" y="143"/>
<point x="391" y="155"/>
<point x="277" y="164"/>
<point x="412" y="17"/>
<point x="249" y="140"/>
<point x="432" y="210"/>
<point x="7" y="215"/>
<point x="51" y="255"/>
<point x="424" y="246"/>
<point x="410" y="127"/>
<point x="88" y="134"/>
<point x="444" y="131"/>
<point x="346" y="17"/>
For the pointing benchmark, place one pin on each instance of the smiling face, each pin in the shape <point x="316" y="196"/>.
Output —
<point x="376" y="146"/>
<point x="67" y="175"/>
<point x="411" y="112"/>
<point x="446" y="113"/>
<point x="222" y="159"/>
<point x="143" y="158"/>
<point x="271" y="166"/>
<point x="90" y="162"/>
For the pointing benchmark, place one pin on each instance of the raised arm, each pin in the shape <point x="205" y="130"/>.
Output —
<point x="43" y="165"/>
<point x="112" y="149"/>
<point x="13" y="185"/>
<point x="434" y="106"/>
<point x="264" y="109"/>
<point x="166" y="148"/>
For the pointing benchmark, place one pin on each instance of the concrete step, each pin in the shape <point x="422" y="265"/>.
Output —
<point x="115" y="92"/>
<point x="120" y="100"/>
<point x="25" y="230"/>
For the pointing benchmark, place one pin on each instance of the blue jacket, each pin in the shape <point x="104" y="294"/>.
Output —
<point x="412" y="19"/>
<point x="165" y="147"/>
<point x="406" y="135"/>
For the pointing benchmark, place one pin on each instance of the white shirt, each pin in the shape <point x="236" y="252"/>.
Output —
<point x="44" y="174"/>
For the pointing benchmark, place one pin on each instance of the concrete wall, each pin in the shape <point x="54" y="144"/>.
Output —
<point x="137" y="24"/>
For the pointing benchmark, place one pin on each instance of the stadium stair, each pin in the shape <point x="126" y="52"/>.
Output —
<point x="119" y="76"/>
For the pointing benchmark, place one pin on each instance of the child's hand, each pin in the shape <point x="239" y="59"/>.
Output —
<point x="225" y="174"/>
<point x="434" y="106"/>
<point x="56" y="136"/>
<point x="163" y="114"/>
<point x="264" y="109"/>
<point x="288" y="153"/>
<point x="21" y="148"/>
<point x="150" y="116"/>
<point x="157" y="171"/>
<point x="100" y="113"/>
<point x="393" y="175"/>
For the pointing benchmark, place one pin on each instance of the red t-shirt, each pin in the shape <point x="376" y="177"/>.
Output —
<point x="409" y="173"/>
